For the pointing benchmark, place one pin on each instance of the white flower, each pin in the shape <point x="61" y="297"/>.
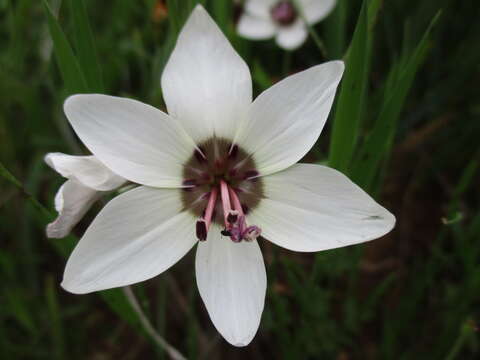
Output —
<point x="87" y="179"/>
<point x="264" y="19"/>
<point x="220" y="169"/>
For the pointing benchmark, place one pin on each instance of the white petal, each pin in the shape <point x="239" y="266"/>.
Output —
<point x="136" y="236"/>
<point x="232" y="282"/>
<point x="292" y="36"/>
<point x="205" y="84"/>
<point x="260" y="8"/>
<point x="255" y="28"/>
<point x="317" y="10"/>
<point x="135" y="140"/>
<point x="86" y="170"/>
<point x="71" y="202"/>
<point x="286" y="119"/>
<point x="313" y="208"/>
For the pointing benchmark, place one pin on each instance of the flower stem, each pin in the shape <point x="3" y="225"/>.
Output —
<point x="311" y="30"/>
<point x="160" y="341"/>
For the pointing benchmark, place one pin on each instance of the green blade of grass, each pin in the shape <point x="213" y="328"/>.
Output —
<point x="352" y="95"/>
<point x="221" y="10"/>
<point x="379" y="141"/>
<point x="67" y="62"/>
<point x="335" y="30"/>
<point x="85" y="47"/>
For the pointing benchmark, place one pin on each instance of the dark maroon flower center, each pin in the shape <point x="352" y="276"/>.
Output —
<point x="283" y="13"/>
<point x="222" y="185"/>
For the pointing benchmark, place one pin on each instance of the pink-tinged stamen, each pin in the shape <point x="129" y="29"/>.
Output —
<point x="236" y="201"/>
<point x="240" y="231"/>
<point x="210" y="207"/>
<point x="227" y="208"/>
<point x="203" y="224"/>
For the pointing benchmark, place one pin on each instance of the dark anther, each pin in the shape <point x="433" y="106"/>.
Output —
<point x="225" y="232"/>
<point x="201" y="230"/>
<point x="232" y="218"/>
<point x="245" y="209"/>
<point x="233" y="152"/>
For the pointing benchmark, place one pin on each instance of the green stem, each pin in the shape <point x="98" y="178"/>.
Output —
<point x="171" y="351"/>
<point x="287" y="61"/>
<point x="316" y="38"/>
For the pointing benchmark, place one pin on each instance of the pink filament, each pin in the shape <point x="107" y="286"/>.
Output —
<point x="210" y="206"/>
<point x="227" y="208"/>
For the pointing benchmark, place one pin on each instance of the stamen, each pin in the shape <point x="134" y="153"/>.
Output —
<point x="204" y="224"/>
<point x="201" y="230"/>
<point x="210" y="207"/>
<point x="236" y="201"/>
<point x="225" y="201"/>
<point x="232" y="217"/>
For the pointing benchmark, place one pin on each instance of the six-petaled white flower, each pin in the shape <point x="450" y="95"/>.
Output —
<point x="264" y="19"/>
<point x="217" y="171"/>
<point x="87" y="180"/>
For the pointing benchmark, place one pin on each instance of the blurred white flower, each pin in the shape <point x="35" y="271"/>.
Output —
<point x="218" y="168"/>
<point x="87" y="178"/>
<point x="264" y="19"/>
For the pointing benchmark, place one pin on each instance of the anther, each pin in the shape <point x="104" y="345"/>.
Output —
<point x="201" y="230"/>
<point x="204" y="224"/>
<point x="232" y="217"/>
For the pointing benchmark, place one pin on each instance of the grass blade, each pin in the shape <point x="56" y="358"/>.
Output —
<point x="67" y="62"/>
<point x="376" y="146"/>
<point x="352" y="95"/>
<point x="85" y="47"/>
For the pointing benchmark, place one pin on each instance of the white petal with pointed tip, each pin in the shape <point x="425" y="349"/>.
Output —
<point x="292" y="36"/>
<point x="312" y="208"/>
<point x="232" y="282"/>
<point x="317" y="10"/>
<point x="84" y="169"/>
<point x="286" y="119"/>
<point x="133" y="139"/>
<point x="206" y="85"/>
<point x="255" y="28"/>
<point x="72" y="201"/>
<point x="136" y="236"/>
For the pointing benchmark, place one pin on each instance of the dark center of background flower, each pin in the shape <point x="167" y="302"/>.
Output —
<point x="219" y="161"/>
<point x="283" y="13"/>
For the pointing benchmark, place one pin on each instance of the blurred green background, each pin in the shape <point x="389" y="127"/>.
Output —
<point x="405" y="127"/>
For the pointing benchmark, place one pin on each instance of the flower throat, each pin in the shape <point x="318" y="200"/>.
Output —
<point x="222" y="185"/>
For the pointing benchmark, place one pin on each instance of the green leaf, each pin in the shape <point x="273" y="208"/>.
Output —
<point x="378" y="143"/>
<point x="350" y="104"/>
<point x="69" y="67"/>
<point x="85" y="47"/>
<point x="335" y="30"/>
